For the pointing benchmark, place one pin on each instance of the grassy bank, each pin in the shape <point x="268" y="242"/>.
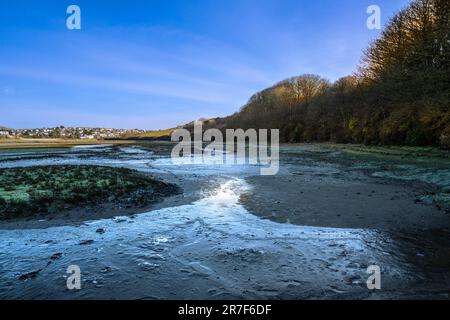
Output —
<point x="408" y="164"/>
<point x="52" y="189"/>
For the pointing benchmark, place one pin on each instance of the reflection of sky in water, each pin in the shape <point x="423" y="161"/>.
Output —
<point x="93" y="147"/>
<point x="133" y="157"/>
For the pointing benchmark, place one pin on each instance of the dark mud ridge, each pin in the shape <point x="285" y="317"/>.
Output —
<point x="74" y="190"/>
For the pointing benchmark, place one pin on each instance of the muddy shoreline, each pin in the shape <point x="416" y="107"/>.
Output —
<point x="304" y="234"/>
<point x="303" y="199"/>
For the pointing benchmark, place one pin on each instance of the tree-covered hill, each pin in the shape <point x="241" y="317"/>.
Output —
<point x="400" y="93"/>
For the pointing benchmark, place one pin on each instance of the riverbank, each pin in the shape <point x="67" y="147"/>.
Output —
<point x="352" y="186"/>
<point x="305" y="199"/>
<point x="55" y="143"/>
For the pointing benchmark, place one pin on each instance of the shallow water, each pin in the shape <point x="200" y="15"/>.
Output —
<point x="212" y="248"/>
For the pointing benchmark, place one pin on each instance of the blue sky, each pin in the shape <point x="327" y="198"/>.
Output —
<point x="156" y="64"/>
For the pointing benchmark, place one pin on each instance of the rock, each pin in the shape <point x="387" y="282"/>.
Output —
<point x="85" y="242"/>
<point x="29" y="275"/>
<point x="56" y="256"/>
<point x="106" y="270"/>
<point x="352" y="279"/>
<point x="100" y="231"/>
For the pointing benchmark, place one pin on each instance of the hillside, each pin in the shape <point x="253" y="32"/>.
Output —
<point x="151" y="135"/>
<point x="399" y="95"/>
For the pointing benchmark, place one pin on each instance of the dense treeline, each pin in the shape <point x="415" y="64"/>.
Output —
<point x="399" y="94"/>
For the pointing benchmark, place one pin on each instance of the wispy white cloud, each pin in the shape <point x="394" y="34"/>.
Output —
<point x="151" y="88"/>
<point x="207" y="71"/>
<point x="214" y="62"/>
<point x="23" y="114"/>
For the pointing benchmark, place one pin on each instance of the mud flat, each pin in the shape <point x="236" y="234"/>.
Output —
<point x="212" y="249"/>
<point x="329" y="186"/>
<point x="210" y="241"/>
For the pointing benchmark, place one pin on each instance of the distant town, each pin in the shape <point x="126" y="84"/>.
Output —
<point x="69" y="133"/>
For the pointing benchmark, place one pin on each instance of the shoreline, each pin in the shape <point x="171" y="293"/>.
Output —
<point x="360" y="205"/>
<point x="322" y="188"/>
<point x="56" y="143"/>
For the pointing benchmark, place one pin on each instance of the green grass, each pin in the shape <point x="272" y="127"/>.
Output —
<point x="414" y="164"/>
<point x="28" y="190"/>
